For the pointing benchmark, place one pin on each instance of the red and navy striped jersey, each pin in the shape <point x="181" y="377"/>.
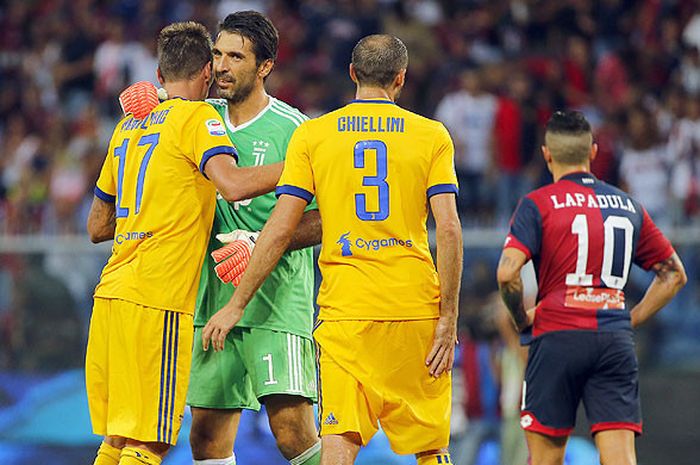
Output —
<point x="583" y="236"/>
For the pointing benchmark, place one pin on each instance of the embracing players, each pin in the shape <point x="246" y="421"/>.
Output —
<point x="269" y="356"/>
<point x="583" y="236"/>
<point x="387" y="323"/>
<point x="155" y="197"/>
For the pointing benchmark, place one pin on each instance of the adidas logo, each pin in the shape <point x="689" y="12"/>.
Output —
<point x="330" y="420"/>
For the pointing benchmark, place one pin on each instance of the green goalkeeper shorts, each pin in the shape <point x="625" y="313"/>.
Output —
<point x="254" y="363"/>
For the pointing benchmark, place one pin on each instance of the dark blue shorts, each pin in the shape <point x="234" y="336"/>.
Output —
<point x="565" y="367"/>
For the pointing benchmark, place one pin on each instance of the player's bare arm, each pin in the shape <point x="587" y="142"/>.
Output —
<point x="308" y="233"/>
<point x="272" y="243"/>
<point x="448" y="232"/>
<point x="670" y="278"/>
<point x="101" y="221"/>
<point x="236" y="183"/>
<point x="510" y="285"/>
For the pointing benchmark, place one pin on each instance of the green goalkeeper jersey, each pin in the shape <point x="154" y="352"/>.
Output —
<point x="285" y="300"/>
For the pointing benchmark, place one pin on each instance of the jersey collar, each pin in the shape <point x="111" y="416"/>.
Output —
<point x="242" y="126"/>
<point x="373" y="101"/>
<point x="579" y="177"/>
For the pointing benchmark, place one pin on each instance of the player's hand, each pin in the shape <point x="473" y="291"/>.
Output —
<point x="218" y="327"/>
<point x="233" y="258"/>
<point x="442" y="354"/>
<point x="139" y="99"/>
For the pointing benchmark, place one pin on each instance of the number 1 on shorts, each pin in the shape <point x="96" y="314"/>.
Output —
<point x="271" y="377"/>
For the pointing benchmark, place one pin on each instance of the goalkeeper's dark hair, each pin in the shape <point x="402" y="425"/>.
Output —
<point x="568" y="137"/>
<point x="378" y="58"/>
<point x="257" y="28"/>
<point x="183" y="50"/>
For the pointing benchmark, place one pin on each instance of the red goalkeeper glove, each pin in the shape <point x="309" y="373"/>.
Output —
<point x="233" y="258"/>
<point x="139" y="99"/>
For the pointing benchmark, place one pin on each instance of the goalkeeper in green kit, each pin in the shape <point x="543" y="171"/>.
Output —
<point x="269" y="356"/>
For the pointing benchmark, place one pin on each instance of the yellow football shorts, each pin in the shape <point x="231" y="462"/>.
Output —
<point x="137" y="369"/>
<point x="374" y="372"/>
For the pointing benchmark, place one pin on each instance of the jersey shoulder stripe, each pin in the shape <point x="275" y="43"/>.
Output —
<point x="285" y="107"/>
<point x="281" y="110"/>
<point x="294" y="119"/>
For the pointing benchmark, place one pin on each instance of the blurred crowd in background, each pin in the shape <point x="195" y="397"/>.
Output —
<point x="492" y="71"/>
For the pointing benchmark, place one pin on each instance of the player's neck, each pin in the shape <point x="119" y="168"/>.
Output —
<point x="374" y="93"/>
<point x="559" y="171"/>
<point x="183" y="89"/>
<point x="242" y="112"/>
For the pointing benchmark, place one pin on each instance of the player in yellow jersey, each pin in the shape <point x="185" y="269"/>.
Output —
<point x="155" y="197"/>
<point x="387" y="323"/>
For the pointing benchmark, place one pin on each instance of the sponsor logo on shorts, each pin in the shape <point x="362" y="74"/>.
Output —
<point x="215" y="127"/>
<point x="526" y="421"/>
<point x="330" y="420"/>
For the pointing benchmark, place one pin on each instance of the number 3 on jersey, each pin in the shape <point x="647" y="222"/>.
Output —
<point x="378" y="181"/>
<point x="151" y="140"/>
<point x="613" y="223"/>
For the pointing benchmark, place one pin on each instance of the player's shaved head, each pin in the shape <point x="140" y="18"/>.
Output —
<point x="378" y="58"/>
<point x="568" y="137"/>
<point x="183" y="50"/>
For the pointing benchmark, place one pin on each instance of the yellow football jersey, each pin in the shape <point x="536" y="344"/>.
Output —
<point x="372" y="167"/>
<point x="164" y="204"/>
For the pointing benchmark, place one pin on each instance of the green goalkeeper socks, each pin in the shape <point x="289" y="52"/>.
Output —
<point x="311" y="456"/>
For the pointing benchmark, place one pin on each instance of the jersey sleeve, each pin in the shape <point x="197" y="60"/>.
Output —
<point x="297" y="177"/>
<point x="312" y="205"/>
<point x="105" y="187"/>
<point x="205" y="135"/>
<point x="442" y="178"/>
<point x="653" y="247"/>
<point x="525" y="228"/>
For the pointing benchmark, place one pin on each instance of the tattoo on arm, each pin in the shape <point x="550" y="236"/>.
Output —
<point x="512" y="294"/>
<point x="667" y="269"/>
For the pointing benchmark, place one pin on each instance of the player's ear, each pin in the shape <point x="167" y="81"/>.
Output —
<point x="207" y="73"/>
<point x="594" y="151"/>
<point x="265" y="68"/>
<point x="546" y="154"/>
<point x="160" y="76"/>
<point x="353" y="74"/>
<point x="400" y="79"/>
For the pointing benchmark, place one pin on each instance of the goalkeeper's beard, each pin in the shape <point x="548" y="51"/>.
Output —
<point x="237" y="94"/>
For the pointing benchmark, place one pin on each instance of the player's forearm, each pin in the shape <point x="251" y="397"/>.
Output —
<point x="670" y="278"/>
<point x="510" y="286"/>
<point x="268" y="250"/>
<point x="271" y="244"/>
<point x="512" y="295"/>
<point x="101" y="222"/>
<point x="449" y="267"/>
<point x="240" y="183"/>
<point x="308" y="233"/>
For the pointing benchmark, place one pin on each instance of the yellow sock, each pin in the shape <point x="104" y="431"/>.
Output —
<point x="107" y="455"/>
<point x="136" y="456"/>
<point x="439" y="458"/>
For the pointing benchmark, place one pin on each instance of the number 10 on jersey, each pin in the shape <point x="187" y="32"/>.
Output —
<point x="378" y="181"/>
